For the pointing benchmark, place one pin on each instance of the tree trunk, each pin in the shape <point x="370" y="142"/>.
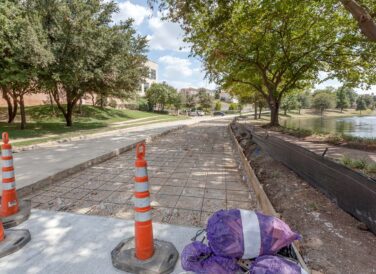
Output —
<point x="365" y="21"/>
<point x="299" y="110"/>
<point x="260" y="109"/>
<point x="12" y="107"/>
<point x="69" y="114"/>
<point x="23" y="113"/>
<point x="274" y="112"/>
<point x="52" y="104"/>
<point x="285" y="111"/>
<point x="341" y="110"/>
<point x="255" y="116"/>
<point x="15" y="108"/>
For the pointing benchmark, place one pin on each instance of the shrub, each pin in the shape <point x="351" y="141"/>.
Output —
<point x="233" y="106"/>
<point x="112" y="103"/>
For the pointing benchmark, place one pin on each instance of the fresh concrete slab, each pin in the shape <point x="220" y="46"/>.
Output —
<point x="72" y="243"/>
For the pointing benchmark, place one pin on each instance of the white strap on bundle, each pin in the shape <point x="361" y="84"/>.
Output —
<point x="251" y="234"/>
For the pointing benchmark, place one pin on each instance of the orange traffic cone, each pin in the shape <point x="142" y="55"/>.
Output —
<point x="143" y="223"/>
<point x="9" y="200"/>
<point x="11" y="211"/>
<point x="1" y="231"/>
<point x="143" y="254"/>
<point x="12" y="240"/>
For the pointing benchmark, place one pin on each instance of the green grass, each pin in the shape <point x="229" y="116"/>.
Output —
<point x="331" y="138"/>
<point x="45" y="124"/>
<point x="359" y="164"/>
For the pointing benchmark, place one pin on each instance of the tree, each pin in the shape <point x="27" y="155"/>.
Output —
<point x="352" y="96"/>
<point x="218" y="106"/>
<point x="304" y="100"/>
<point x="157" y="96"/>
<point x="368" y="99"/>
<point x="205" y="99"/>
<point x="361" y="104"/>
<point x="289" y="102"/>
<point x="323" y="100"/>
<point x="24" y="53"/>
<point x="233" y="106"/>
<point x="190" y="101"/>
<point x="342" y="98"/>
<point x="274" y="47"/>
<point x="89" y="54"/>
<point x="160" y="95"/>
<point x="365" y="19"/>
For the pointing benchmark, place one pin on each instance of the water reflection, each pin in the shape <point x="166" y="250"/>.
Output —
<point x="361" y="126"/>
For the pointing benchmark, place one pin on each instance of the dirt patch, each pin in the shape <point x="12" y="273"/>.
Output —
<point x="333" y="241"/>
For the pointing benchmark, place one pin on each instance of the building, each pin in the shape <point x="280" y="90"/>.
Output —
<point x="152" y="76"/>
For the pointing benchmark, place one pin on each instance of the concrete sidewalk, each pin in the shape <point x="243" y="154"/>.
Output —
<point x="63" y="243"/>
<point x="51" y="162"/>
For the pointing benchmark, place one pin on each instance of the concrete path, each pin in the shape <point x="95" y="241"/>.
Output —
<point x="334" y="152"/>
<point x="192" y="171"/>
<point x="48" y="162"/>
<point x="65" y="243"/>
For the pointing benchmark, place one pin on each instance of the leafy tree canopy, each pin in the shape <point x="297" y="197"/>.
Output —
<point x="274" y="47"/>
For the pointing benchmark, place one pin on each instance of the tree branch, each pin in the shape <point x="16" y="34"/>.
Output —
<point x="364" y="19"/>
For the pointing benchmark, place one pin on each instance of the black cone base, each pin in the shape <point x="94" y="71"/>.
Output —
<point x="22" y="215"/>
<point x="163" y="261"/>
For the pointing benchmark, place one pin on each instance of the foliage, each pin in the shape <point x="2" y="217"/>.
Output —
<point x="273" y="47"/>
<point x="361" y="104"/>
<point x="218" y="106"/>
<point x="67" y="49"/>
<point x="160" y="95"/>
<point x="205" y="100"/>
<point x="233" y="106"/>
<point x="289" y="102"/>
<point x="323" y="100"/>
<point x="190" y="101"/>
<point x="304" y="100"/>
<point x="342" y="95"/>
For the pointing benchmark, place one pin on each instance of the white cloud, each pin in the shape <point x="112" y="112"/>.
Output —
<point x="128" y="9"/>
<point x="174" y="66"/>
<point x="166" y="35"/>
<point x="182" y="73"/>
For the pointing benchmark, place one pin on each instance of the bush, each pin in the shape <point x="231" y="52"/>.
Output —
<point x="143" y="104"/>
<point x="233" y="106"/>
<point x="218" y="106"/>
<point x="112" y="103"/>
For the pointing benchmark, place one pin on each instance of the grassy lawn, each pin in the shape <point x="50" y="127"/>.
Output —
<point x="45" y="124"/>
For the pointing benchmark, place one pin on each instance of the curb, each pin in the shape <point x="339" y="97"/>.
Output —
<point x="97" y="160"/>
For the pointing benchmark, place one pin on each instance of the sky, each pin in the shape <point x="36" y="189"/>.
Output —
<point x="166" y="47"/>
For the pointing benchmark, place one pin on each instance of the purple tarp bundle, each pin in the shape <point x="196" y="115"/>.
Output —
<point x="275" y="265"/>
<point x="199" y="258"/>
<point x="237" y="233"/>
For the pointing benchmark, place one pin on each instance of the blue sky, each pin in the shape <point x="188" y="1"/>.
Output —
<point x="166" y="47"/>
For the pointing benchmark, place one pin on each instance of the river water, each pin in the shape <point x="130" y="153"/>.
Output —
<point x="360" y="126"/>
